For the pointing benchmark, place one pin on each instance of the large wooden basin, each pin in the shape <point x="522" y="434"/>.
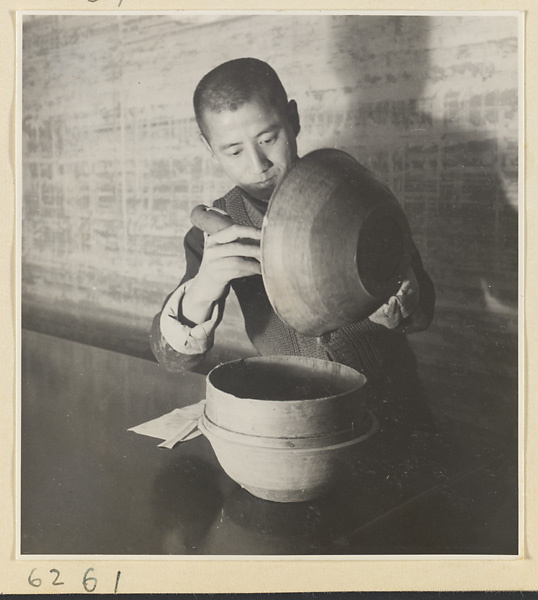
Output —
<point x="278" y="424"/>
<point x="335" y="243"/>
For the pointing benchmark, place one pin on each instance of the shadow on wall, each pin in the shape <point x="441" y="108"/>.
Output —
<point x="431" y="117"/>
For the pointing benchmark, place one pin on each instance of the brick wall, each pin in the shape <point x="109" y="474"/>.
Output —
<point x="112" y="164"/>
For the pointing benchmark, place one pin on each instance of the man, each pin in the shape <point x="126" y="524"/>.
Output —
<point x="249" y="127"/>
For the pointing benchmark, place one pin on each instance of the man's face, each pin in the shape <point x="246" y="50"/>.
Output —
<point x="255" y="144"/>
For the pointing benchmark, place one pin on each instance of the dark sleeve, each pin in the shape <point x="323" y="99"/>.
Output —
<point x="167" y="357"/>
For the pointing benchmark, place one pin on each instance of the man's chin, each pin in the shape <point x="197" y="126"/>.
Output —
<point x="261" y="194"/>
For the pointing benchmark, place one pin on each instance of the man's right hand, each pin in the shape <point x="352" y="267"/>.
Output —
<point x="229" y="254"/>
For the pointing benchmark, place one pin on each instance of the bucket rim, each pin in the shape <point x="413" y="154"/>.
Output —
<point x="283" y="359"/>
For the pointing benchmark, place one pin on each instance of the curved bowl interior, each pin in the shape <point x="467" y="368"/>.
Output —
<point x="285" y="378"/>
<point x="285" y="396"/>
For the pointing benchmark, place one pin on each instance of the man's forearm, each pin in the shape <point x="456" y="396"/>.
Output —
<point x="166" y="356"/>
<point x="177" y="343"/>
<point x="199" y="302"/>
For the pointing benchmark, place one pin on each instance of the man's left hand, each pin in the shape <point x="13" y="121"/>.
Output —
<point x="399" y="307"/>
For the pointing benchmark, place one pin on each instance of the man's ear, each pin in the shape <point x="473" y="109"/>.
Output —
<point x="293" y="116"/>
<point x="207" y="146"/>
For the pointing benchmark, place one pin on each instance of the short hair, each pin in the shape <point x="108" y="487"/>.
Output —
<point x="234" y="83"/>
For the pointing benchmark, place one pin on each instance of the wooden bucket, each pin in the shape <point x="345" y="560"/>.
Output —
<point x="277" y="424"/>
<point x="335" y="243"/>
<point x="287" y="397"/>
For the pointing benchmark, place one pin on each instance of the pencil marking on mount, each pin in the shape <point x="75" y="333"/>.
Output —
<point x="119" y="3"/>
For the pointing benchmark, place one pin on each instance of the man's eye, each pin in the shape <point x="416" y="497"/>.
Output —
<point x="235" y="153"/>
<point x="268" y="140"/>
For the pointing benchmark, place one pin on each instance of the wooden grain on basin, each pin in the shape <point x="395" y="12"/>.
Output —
<point x="335" y="243"/>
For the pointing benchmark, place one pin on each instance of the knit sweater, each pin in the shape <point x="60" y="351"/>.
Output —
<point x="381" y="354"/>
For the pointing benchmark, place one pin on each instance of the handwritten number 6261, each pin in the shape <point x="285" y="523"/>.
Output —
<point x="89" y="582"/>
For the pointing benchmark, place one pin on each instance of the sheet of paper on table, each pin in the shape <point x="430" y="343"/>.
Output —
<point x="179" y="425"/>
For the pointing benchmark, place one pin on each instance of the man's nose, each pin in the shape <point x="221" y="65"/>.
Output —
<point x="259" y="163"/>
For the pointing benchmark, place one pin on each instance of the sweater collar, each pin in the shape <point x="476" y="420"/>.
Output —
<point x="255" y="208"/>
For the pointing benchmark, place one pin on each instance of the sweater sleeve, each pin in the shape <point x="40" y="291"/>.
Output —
<point x="182" y="345"/>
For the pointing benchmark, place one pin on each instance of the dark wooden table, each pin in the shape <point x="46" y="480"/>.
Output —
<point x="90" y="487"/>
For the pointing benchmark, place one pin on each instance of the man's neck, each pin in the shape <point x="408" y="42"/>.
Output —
<point x="260" y="205"/>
